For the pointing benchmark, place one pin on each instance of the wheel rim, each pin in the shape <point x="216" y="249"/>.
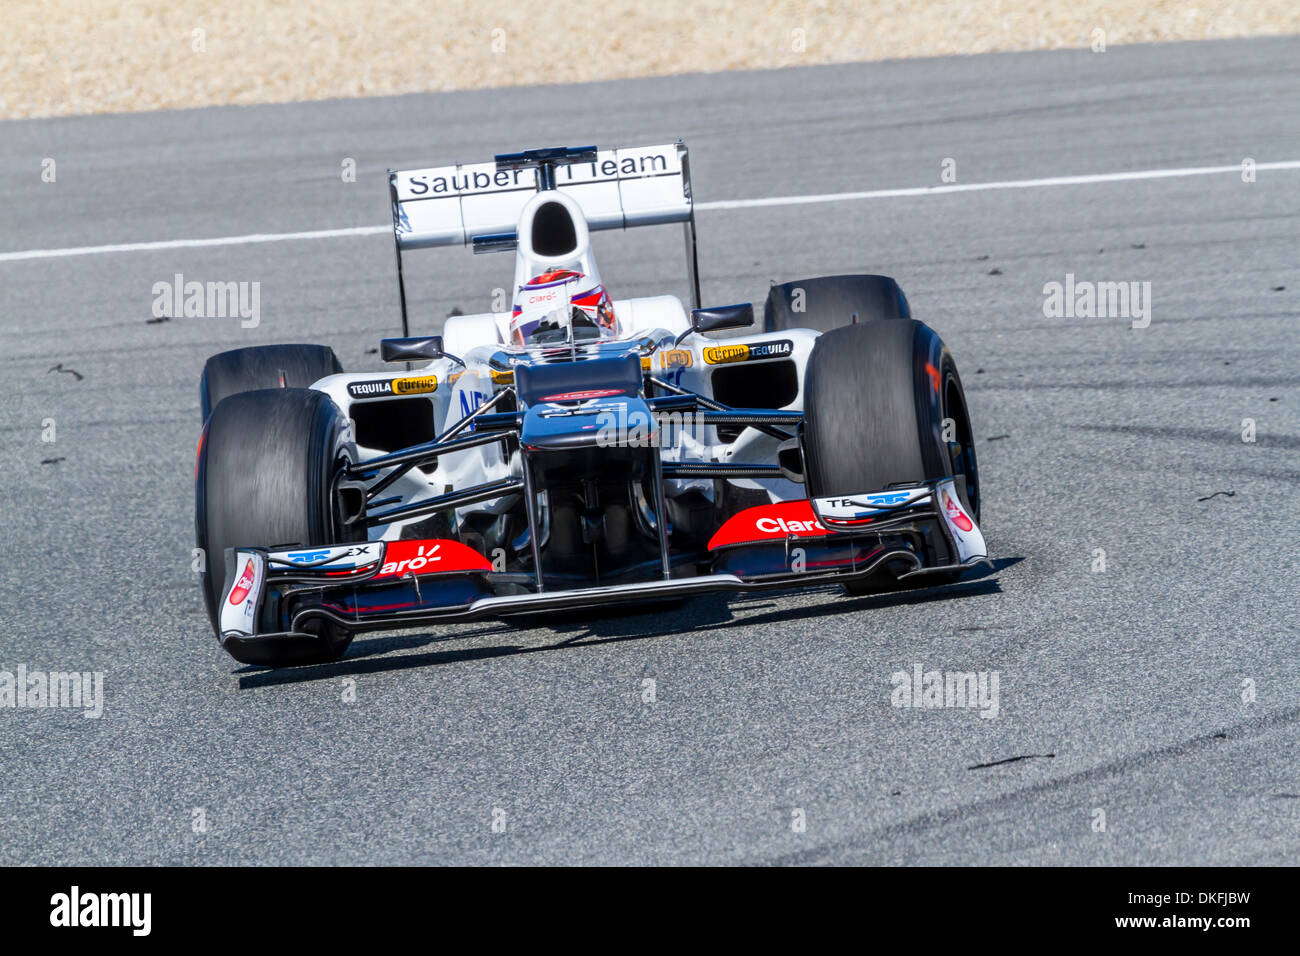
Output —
<point x="339" y="531"/>
<point x="961" y="449"/>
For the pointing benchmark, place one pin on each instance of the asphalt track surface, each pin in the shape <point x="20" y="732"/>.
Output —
<point x="1122" y="689"/>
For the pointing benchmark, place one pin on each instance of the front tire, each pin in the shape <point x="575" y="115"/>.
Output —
<point x="876" y="397"/>
<point x="267" y="476"/>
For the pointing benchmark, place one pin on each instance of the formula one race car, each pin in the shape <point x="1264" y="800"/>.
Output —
<point x="577" y="450"/>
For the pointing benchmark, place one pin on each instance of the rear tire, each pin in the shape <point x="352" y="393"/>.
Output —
<point x="875" y="399"/>
<point x="243" y="370"/>
<point x="266" y="475"/>
<point x="832" y="302"/>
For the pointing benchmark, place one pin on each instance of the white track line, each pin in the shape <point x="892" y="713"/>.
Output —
<point x="195" y="243"/>
<point x="977" y="187"/>
<point x="703" y="206"/>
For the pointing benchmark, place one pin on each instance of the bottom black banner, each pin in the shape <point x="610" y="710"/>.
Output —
<point x="954" y="905"/>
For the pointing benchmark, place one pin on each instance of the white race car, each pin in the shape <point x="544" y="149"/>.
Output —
<point x="577" y="450"/>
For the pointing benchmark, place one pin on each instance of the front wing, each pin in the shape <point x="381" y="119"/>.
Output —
<point x="273" y="597"/>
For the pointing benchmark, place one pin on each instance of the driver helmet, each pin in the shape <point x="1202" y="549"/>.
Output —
<point x="548" y="306"/>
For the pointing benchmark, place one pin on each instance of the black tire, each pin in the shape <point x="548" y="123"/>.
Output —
<point x="244" y="370"/>
<point x="265" y="477"/>
<point x="875" y="399"/>
<point x="832" y="302"/>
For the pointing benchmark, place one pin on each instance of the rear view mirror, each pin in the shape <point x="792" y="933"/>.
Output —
<point x="723" y="317"/>
<point x="409" y="350"/>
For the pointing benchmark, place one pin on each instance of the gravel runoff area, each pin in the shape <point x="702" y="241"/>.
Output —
<point x="61" y="57"/>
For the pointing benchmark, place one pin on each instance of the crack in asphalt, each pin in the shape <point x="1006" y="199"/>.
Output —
<point x="999" y="763"/>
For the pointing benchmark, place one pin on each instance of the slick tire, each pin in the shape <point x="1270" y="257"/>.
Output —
<point x="244" y="370"/>
<point x="266" y="475"/>
<point x="832" y="302"/>
<point x="875" y="399"/>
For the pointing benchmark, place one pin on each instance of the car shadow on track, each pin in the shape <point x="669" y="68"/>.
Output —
<point x="710" y="612"/>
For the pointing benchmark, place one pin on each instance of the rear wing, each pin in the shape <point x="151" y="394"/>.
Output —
<point x="478" y="204"/>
